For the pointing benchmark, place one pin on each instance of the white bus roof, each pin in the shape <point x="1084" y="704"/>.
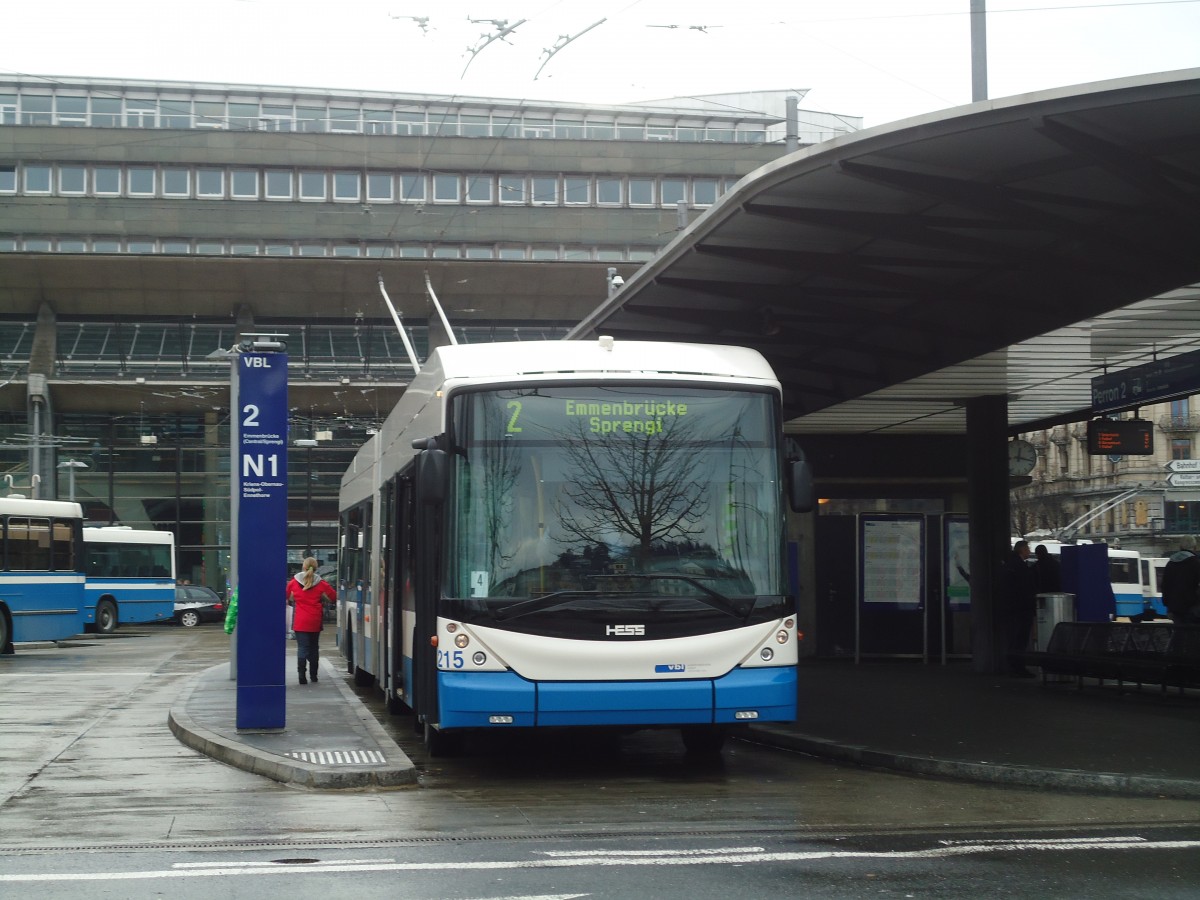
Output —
<point x="123" y="534"/>
<point x="1055" y="547"/>
<point x="533" y="361"/>
<point x="634" y="358"/>
<point x="23" y="506"/>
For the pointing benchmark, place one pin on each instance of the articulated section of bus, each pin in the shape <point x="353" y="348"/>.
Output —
<point x="130" y="577"/>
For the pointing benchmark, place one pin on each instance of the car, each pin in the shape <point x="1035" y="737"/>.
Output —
<point x="195" y="604"/>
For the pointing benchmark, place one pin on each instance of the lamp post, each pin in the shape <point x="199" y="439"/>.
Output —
<point x="71" y="465"/>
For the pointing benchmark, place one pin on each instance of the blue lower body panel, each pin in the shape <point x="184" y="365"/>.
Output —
<point x="771" y="693"/>
<point x="467" y="700"/>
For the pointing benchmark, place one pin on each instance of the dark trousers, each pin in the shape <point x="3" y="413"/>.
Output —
<point x="1020" y="627"/>
<point x="308" y="648"/>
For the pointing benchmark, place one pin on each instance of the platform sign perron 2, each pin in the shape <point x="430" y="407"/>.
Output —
<point x="258" y="464"/>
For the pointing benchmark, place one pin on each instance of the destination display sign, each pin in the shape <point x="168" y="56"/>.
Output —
<point x="1148" y="383"/>
<point x="1125" y="437"/>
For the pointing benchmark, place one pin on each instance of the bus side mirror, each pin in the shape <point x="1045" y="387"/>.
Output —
<point x="432" y="471"/>
<point x="800" y="485"/>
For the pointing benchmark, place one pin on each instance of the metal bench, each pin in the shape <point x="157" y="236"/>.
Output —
<point x="1136" y="652"/>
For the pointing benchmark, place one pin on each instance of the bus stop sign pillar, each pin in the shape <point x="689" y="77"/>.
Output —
<point x="259" y="535"/>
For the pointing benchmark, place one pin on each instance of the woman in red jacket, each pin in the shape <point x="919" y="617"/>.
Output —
<point x="306" y="593"/>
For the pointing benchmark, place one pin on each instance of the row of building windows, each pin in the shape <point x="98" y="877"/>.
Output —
<point x="350" y="117"/>
<point x="375" y="249"/>
<point x="356" y="186"/>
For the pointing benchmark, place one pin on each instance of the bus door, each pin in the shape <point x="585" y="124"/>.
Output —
<point x="354" y="582"/>
<point x="397" y="687"/>
<point x="391" y="541"/>
<point x="426" y="523"/>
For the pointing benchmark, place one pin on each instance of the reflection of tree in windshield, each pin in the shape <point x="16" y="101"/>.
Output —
<point x="636" y="485"/>
<point x="501" y="466"/>
<point x="558" y="494"/>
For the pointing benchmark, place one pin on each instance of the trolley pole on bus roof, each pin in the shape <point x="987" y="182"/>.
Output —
<point x="258" y="519"/>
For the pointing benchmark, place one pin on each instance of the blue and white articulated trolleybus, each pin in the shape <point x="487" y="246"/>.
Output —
<point x="570" y="533"/>
<point x="130" y="577"/>
<point x="41" y="571"/>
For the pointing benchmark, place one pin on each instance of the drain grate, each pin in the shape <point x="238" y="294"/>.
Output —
<point x="340" y="757"/>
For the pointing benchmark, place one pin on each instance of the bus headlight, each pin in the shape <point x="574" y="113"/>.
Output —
<point x="766" y="654"/>
<point x="461" y="640"/>
<point x="781" y="636"/>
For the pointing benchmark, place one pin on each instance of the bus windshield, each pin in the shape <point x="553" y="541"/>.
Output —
<point x="655" y="499"/>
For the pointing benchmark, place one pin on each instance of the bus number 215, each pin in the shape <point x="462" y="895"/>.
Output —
<point x="450" y="659"/>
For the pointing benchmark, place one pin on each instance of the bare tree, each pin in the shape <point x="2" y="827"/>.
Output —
<point x="1038" y="506"/>
<point x="637" y="484"/>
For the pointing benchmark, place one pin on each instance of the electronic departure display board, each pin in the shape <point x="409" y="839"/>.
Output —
<point x="1120" y="437"/>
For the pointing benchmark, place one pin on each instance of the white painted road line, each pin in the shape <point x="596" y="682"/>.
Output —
<point x="579" y="860"/>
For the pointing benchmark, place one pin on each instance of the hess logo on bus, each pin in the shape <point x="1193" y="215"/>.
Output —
<point x="624" y="630"/>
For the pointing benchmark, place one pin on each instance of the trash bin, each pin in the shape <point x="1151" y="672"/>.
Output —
<point x="1052" y="609"/>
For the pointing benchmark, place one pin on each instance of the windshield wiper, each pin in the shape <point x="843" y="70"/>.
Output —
<point x="738" y="609"/>
<point x="538" y="604"/>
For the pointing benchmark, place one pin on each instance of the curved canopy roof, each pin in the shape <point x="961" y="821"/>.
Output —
<point x="1007" y="247"/>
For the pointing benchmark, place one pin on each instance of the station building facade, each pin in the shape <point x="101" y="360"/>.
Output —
<point x="1143" y="502"/>
<point x="147" y="226"/>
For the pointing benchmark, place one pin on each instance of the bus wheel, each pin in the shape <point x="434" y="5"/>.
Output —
<point x="348" y="651"/>
<point x="441" y="743"/>
<point x="704" y="740"/>
<point x="106" y="617"/>
<point x="5" y="636"/>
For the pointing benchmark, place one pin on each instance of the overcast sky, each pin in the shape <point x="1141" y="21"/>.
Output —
<point x="880" y="59"/>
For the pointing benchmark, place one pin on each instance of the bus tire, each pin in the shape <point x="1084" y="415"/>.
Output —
<point x="703" y="740"/>
<point x="348" y="650"/>
<point x="396" y="706"/>
<point x="6" y="646"/>
<point x="106" y="617"/>
<point x="441" y="743"/>
<point x="363" y="678"/>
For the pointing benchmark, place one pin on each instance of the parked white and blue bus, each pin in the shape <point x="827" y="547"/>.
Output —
<point x="41" y="571"/>
<point x="130" y="577"/>
<point x="1152" y="572"/>
<point x="576" y="533"/>
<point x="1126" y="572"/>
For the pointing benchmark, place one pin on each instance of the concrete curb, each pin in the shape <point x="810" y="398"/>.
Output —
<point x="285" y="769"/>
<point x="988" y="773"/>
